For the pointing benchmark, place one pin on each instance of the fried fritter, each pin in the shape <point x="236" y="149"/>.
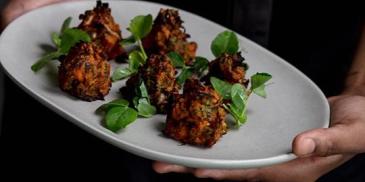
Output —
<point x="104" y="31"/>
<point x="158" y="75"/>
<point x="197" y="116"/>
<point x="230" y="68"/>
<point x="168" y="35"/>
<point x="84" y="73"/>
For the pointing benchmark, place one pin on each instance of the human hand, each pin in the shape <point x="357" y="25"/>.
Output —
<point x="15" y="8"/>
<point x="319" y="151"/>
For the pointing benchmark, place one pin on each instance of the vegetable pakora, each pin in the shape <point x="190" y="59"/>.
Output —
<point x="168" y="35"/>
<point x="84" y="73"/>
<point x="197" y="116"/>
<point x="104" y="31"/>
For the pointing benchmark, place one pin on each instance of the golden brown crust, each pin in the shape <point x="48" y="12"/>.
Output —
<point x="229" y="68"/>
<point x="84" y="73"/>
<point x="197" y="117"/>
<point x="168" y="35"/>
<point x="102" y="28"/>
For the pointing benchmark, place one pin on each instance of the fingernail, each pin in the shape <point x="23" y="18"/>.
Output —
<point x="308" y="147"/>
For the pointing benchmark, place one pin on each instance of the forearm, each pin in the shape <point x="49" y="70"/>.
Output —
<point x="15" y="8"/>
<point x="355" y="81"/>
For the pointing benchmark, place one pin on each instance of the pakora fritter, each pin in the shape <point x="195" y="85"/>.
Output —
<point x="230" y="68"/>
<point x="197" y="116"/>
<point x="104" y="31"/>
<point x="168" y="35"/>
<point x="158" y="75"/>
<point x="84" y="73"/>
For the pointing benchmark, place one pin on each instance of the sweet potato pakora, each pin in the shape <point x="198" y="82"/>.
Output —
<point x="84" y="73"/>
<point x="104" y="31"/>
<point x="197" y="116"/>
<point x="158" y="75"/>
<point x="168" y="35"/>
<point x="230" y="68"/>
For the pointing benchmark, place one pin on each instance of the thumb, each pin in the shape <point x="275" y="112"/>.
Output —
<point x="340" y="138"/>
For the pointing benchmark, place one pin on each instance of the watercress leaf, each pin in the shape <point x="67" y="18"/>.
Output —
<point x="184" y="75"/>
<point x="145" y="109"/>
<point x="258" y="83"/>
<point x="66" y="24"/>
<point x="238" y="115"/>
<point x="128" y="41"/>
<point x="140" y="26"/>
<point x="135" y="101"/>
<point x="143" y="91"/>
<point x="224" y="42"/>
<point x="70" y="37"/>
<point x="121" y="73"/>
<point x="119" y="117"/>
<point x="135" y="60"/>
<point x="176" y="59"/>
<point x="260" y="91"/>
<point x="56" y="39"/>
<point x="114" y="103"/>
<point x="200" y="65"/>
<point x="45" y="60"/>
<point x="238" y="96"/>
<point x="222" y="87"/>
<point x="259" y="79"/>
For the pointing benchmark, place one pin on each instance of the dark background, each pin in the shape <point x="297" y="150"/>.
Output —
<point x="319" y="38"/>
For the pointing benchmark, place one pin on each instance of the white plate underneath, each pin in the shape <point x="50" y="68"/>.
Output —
<point x="294" y="103"/>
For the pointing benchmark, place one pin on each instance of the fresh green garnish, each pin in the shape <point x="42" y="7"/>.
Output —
<point x="142" y="102"/>
<point x="222" y="87"/>
<point x="199" y="66"/>
<point x="238" y="95"/>
<point x="176" y="59"/>
<point x="258" y="83"/>
<point x="186" y="73"/>
<point x="225" y="42"/>
<point x="118" y="114"/>
<point x="135" y="60"/>
<point x="68" y="38"/>
<point x="140" y="26"/>
<point x="119" y="117"/>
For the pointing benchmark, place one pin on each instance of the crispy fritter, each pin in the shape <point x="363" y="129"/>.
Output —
<point x="104" y="31"/>
<point x="197" y="116"/>
<point x="230" y="68"/>
<point x="84" y="73"/>
<point x="158" y="75"/>
<point x="168" y="35"/>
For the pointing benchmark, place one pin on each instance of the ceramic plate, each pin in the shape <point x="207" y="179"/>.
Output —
<point x="294" y="103"/>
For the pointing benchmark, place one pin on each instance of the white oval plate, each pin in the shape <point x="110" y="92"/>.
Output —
<point x="294" y="103"/>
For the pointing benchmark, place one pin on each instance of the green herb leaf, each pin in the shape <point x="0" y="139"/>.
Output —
<point x="145" y="109"/>
<point x="225" y="42"/>
<point x="176" y="59"/>
<point x="184" y="75"/>
<point x="258" y="83"/>
<point x="65" y="25"/>
<point x="238" y="95"/>
<point x="140" y="26"/>
<point x="119" y="117"/>
<point x="114" y="103"/>
<point x="143" y="91"/>
<point x="222" y="87"/>
<point x="56" y="39"/>
<point x="135" y="60"/>
<point x="121" y="73"/>
<point x="70" y="37"/>
<point x="128" y="41"/>
<point x="200" y="65"/>
<point x="45" y="60"/>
